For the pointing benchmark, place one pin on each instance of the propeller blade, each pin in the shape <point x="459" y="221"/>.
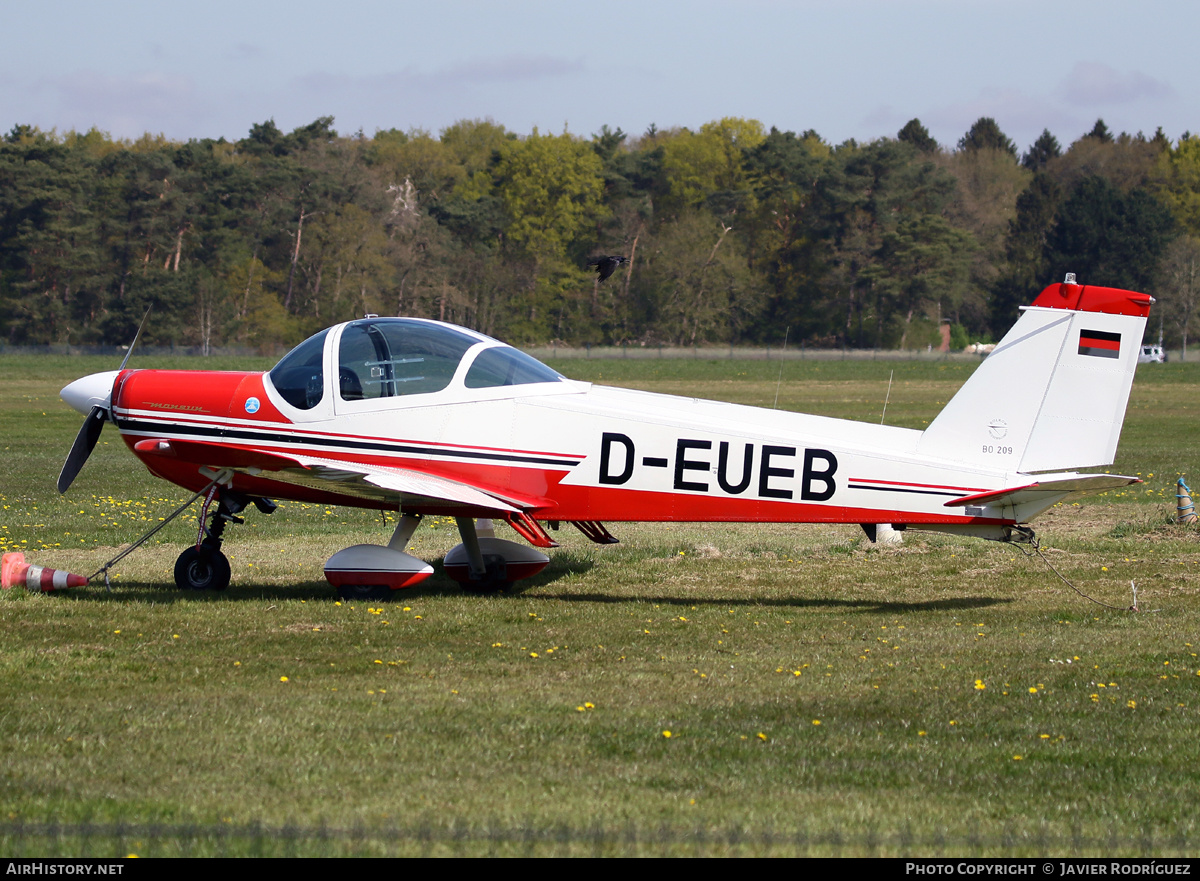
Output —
<point x="85" y="442"/>
<point x="81" y="393"/>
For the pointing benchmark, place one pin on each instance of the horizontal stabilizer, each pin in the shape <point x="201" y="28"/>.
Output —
<point x="1075" y="484"/>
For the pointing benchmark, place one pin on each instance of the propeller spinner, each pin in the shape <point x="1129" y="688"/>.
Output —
<point x="91" y="395"/>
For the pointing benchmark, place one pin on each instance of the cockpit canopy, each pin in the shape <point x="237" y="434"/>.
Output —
<point x="394" y="357"/>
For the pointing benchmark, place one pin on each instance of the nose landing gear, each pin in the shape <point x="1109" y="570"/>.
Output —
<point x="203" y="566"/>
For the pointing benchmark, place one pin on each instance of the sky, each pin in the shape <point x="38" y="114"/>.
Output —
<point x="846" y="68"/>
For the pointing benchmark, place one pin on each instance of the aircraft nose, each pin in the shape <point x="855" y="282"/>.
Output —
<point x="90" y="391"/>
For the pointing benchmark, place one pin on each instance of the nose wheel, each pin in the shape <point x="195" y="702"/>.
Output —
<point x="202" y="568"/>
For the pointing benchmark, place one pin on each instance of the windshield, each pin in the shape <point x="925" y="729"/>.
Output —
<point x="299" y="377"/>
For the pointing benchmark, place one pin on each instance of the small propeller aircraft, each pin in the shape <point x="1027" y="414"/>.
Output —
<point x="426" y="418"/>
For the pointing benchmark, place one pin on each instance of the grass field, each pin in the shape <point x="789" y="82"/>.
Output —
<point x="694" y="689"/>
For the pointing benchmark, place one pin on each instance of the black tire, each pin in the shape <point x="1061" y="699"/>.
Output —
<point x="202" y="569"/>
<point x="365" y="592"/>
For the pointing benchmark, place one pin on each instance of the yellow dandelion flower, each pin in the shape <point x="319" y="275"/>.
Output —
<point x="283" y="679"/>
<point x="761" y="737"/>
<point x="816" y="721"/>
<point x="666" y="733"/>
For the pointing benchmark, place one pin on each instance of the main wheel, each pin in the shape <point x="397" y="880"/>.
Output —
<point x="202" y="569"/>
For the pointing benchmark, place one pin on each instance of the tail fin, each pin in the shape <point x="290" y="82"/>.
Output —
<point x="1052" y="394"/>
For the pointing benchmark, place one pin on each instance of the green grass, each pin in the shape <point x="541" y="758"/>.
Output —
<point x="152" y="721"/>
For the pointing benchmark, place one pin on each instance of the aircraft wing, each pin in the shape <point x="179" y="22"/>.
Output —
<point x="412" y="486"/>
<point x="376" y="482"/>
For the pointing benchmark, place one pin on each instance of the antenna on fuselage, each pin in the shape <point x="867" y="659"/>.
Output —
<point x="779" y="381"/>
<point x="888" y="396"/>
<point x="136" y="336"/>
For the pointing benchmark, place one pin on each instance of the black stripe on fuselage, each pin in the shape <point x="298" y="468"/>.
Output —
<point x="920" y="492"/>
<point x="228" y="433"/>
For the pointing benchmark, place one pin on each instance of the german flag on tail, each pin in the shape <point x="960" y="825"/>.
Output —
<point x="1099" y="343"/>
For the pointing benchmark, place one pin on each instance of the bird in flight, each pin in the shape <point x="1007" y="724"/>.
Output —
<point x="606" y="266"/>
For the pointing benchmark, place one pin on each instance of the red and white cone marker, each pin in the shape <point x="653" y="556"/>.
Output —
<point x="15" y="572"/>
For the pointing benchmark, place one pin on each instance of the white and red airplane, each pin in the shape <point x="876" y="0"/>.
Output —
<point x="431" y="419"/>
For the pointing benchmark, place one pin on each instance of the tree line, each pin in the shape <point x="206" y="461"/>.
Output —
<point x="734" y="233"/>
